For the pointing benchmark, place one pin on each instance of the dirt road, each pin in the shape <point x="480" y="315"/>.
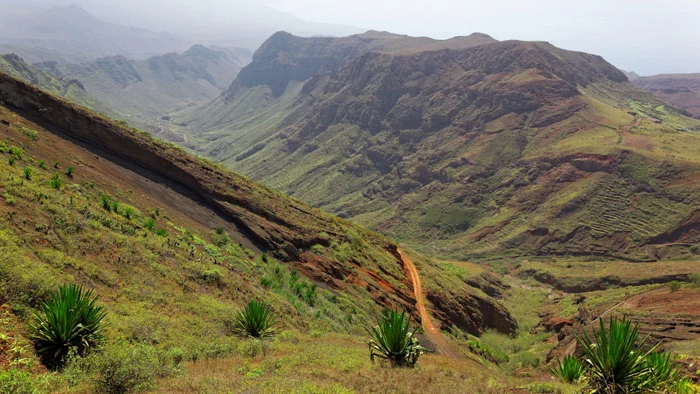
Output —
<point x="431" y="332"/>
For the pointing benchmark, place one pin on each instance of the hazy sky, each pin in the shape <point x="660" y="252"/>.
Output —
<point x="647" y="36"/>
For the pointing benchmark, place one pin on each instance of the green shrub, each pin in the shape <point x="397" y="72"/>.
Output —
<point x="106" y="202"/>
<point x="31" y="134"/>
<point x="128" y="212"/>
<point x="121" y="369"/>
<point x="9" y="199"/>
<point x="42" y="165"/>
<point x="149" y="224"/>
<point x="212" y="276"/>
<point x="694" y="279"/>
<point x="56" y="182"/>
<point x="16" y="382"/>
<point x="69" y="321"/>
<point x="28" y="173"/>
<point x="392" y="340"/>
<point x="266" y="282"/>
<point x="256" y="320"/>
<point x="16" y="152"/>
<point x="674" y="286"/>
<point x="11" y="161"/>
<point x="55" y="164"/>
<point x="69" y="172"/>
<point x="495" y="355"/>
<point x="220" y="238"/>
<point x="161" y="232"/>
<point x="568" y="370"/>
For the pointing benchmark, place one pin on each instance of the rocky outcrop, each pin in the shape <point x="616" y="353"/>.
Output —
<point x="472" y="313"/>
<point x="284" y="57"/>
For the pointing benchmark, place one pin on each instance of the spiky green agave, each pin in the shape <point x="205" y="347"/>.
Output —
<point x="256" y="320"/>
<point x="568" y="370"/>
<point x="393" y="340"/>
<point x="616" y="362"/>
<point x="69" y="321"/>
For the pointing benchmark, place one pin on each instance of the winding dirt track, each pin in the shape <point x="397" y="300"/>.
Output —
<point x="431" y="332"/>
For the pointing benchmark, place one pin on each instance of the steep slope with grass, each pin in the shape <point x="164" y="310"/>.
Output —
<point x="71" y="89"/>
<point x="144" y="91"/>
<point x="173" y="244"/>
<point x="680" y="90"/>
<point x="502" y="148"/>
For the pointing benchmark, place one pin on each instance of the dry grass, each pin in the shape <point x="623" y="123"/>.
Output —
<point x="332" y="364"/>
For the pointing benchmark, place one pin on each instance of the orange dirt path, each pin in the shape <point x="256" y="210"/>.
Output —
<point x="431" y="332"/>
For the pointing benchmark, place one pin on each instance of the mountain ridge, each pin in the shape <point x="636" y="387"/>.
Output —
<point x="415" y="144"/>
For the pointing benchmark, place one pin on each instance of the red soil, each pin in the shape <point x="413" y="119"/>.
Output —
<point x="431" y="332"/>
<point x="661" y="300"/>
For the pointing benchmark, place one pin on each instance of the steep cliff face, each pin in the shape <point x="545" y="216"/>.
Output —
<point x="284" y="57"/>
<point x="466" y="89"/>
<point x="328" y="250"/>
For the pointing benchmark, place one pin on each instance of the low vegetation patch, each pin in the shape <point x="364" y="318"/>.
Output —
<point x="393" y="340"/>
<point x="256" y="320"/>
<point x="70" y="321"/>
<point x="616" y="361"/>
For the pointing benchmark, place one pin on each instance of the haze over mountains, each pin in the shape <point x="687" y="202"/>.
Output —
<point x="143" y="91"/>
<point x="70" y="29"/>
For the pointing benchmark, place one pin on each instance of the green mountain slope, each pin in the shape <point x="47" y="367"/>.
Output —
<point x="144" y="91"/>
<point x="70" y="89"/>
<point x="501" y="148"/>
<point x="216" y="239"/>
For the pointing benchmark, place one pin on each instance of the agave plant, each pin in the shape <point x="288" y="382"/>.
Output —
<point x="256" y="320"/>
<point x="568" y="370"/>
<point x="393" y="340"/>
<point x="69" y="321"/>
<point x="616" y="363"/>
<point x="663" y="372"/>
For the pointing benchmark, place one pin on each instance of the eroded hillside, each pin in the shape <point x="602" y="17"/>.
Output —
<point x="499" y="148"/>
<point x="152" y="228"/>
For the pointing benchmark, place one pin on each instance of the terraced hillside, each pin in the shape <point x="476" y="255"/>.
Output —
<point x="173" y="244"/>
<point x="145" y="91"/>
<point x="488" y="149"/>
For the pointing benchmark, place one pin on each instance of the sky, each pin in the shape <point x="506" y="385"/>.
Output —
<point x="646" y="36"/>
